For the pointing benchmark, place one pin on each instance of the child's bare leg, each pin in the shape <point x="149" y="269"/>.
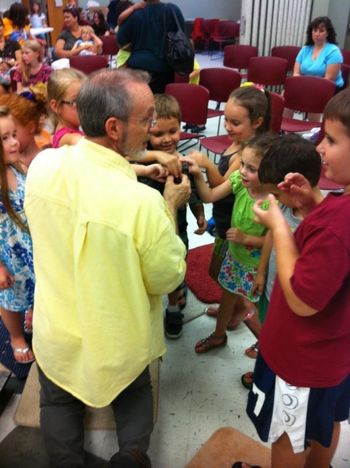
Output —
<point x="319" y="456"/>
<point x="218" y="337"/>
<point x="253" y="323"/>
<point x="282" y="454"/>
<point x="13" y="324"/>
<point x="173" y="298"/>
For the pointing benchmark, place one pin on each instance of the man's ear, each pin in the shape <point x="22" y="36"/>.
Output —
<point x="114" y="128"/>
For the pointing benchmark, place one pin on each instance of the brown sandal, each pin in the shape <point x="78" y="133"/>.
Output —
<point x="208" y="343"/>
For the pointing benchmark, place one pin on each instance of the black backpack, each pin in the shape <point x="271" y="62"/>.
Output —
<point x="179" y="52"/>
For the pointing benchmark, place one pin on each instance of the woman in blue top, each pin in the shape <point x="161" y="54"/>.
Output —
<point x="320" y="56"/>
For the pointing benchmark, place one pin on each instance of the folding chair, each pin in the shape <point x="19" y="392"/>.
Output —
<point x="220" y="82"/>
<point x="110" y="47"/>
<point x="268" y="71"/>
<point x="287" y="52"/>
<point x="307" y="94"/>
<point x="238" y="56"/>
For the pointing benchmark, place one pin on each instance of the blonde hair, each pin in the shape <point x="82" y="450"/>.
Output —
<point x="58" y="84"/>
<point x="86" y="29"/>
<point x="35" y="46"/>
<point x="4" y="188"/>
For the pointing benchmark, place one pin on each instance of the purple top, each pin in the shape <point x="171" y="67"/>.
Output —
<point x="41" y="76"/>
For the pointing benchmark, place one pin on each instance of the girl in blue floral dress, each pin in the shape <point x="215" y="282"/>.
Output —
<point x="16" y="258"/>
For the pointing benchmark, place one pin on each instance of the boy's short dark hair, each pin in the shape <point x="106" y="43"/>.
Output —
<point x="167" y="107"/>
<point x="290" y="153"/>
<point x="338" y="108"/>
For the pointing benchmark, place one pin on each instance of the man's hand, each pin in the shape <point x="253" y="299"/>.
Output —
<point x="176" y="195"/>
<point x="6" y="279"/>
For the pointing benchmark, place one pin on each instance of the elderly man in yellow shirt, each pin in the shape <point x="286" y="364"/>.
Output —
<point x="105" y="250"/>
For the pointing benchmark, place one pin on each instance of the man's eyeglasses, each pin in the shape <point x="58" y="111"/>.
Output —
<point x="70" y="103"/>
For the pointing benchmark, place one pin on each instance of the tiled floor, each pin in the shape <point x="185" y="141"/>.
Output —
<point x="198" y="393"/>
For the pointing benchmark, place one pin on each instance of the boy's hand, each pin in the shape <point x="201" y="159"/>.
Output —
<point x="272" y="217"/>
<point x="156" y="172"/>
<point x="235" y="235"/>
<point x="199" y="158"/>
<point x="6" y="279"/>
<point x="202" y="225"/>
<point x="170" y="161"/>
<point x="176" y="195"/>
<point x="300" y="191"/>
<point x="193" y="167"/>
<point x="259" y="284"/>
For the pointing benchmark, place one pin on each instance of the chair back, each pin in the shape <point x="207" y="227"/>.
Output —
<point x="197" y="30"/>
<point x="346" y="56"/>
<point x="268" y="71"/>
<point x="308" y="93"/>
<point x="277" y="108"/>
<point x="345" y="71"/>
<point x="88" y="63"/>
<point x="193" y="101"/>
<point x="109" y="45"/>
<point x="210" y="27"/>
<point x="220" y="82"/>
<point x="287" y="52"/>
<point x="238" y="55"/>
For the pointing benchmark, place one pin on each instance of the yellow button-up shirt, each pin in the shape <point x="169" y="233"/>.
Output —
<point x="105" y="250"/>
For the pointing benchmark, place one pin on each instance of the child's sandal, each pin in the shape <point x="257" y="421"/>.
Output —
<point x="210" y="342"/>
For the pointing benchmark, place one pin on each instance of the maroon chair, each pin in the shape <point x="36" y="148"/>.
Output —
<point x="110" y="46"/>
<point x="307" y="94"/>
<point x="193" y="101"/>
<point x="228" y="32"/>
<point x="88" y="63"/>
<point x="345" y="70"/>
<point x="197" y="34"/>
<point x="210" y="29"/>
<point x="287" y="52"/>
<point x="346" y="56"/>
<point x="268" y="71"/>
<point x="238" y="56"/>
<point x="277" y="108"/>
<point x="220" y="82"/>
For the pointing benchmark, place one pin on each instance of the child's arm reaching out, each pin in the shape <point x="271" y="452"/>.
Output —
<point x="286" y="252"/>
<point x="206" y="193"/>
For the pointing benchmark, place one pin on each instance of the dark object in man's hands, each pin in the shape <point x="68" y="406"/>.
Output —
<point x="184" y="170"/>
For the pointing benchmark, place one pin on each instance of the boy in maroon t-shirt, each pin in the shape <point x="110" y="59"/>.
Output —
<point x="301" y="387"/>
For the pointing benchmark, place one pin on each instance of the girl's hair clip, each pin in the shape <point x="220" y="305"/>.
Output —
<point x="248" y="84"/>
<point x="28" y="95"/>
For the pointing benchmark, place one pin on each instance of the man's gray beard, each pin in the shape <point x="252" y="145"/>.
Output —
<point x="136" y="155"/>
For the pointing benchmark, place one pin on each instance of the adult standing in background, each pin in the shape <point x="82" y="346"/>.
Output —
<point x="145" y="29"/>
<point x="103" y="259"/>
<point x="320" y="56"/>
<point x="112" y="14"/>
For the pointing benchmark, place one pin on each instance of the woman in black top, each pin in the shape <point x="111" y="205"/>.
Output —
<point x="99" y="24"/>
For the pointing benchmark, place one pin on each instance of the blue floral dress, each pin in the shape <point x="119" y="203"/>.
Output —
<point x="16" y="253"/>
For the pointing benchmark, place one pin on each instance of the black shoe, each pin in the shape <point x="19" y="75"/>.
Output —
<point x="173" y="324"/>
<point x="130" y="458"/>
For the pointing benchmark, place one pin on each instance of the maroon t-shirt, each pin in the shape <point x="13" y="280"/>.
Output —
<point x="314" y="351"/>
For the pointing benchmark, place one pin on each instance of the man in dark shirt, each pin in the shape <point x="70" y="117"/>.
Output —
<point x="112" y="13"/>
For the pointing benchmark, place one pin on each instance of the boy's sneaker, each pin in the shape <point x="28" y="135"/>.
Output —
<point x="173" y="324"/>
